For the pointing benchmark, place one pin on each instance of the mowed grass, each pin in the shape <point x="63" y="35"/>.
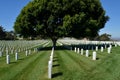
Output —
<point x="67" y="65"/>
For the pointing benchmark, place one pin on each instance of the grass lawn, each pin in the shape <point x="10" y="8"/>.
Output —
<point x="67" y="65"/>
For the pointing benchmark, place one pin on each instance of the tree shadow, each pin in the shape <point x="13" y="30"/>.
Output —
<point x="55" y="57"/>
<point x="56" y="65"/>
<point x="13" y="62"/>
<point x="55" y="60"/>
<point x="97" y="58"/>
<point x="57" y="74"/>
<point x="50" y="48"/>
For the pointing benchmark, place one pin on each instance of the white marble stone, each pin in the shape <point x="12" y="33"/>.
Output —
<point x="110" y="46"/>
<point x="75" y="49"/>
<point x="115" y="45"/>
<point x="109" y="50"/>
<point x="81" y="51"/>
<point x="87" y="53"/>
<point x="102" y="49"/>
<point x="16" y="56"/>
<point x="7" y="59"/>
<point x="78" y="50"/>
<point x="29" y="52"/>
<point x="26" y="53"/>
<point x="49" y="69"/>
<point x="94" y="55"/>
<point x="96" y="48"/>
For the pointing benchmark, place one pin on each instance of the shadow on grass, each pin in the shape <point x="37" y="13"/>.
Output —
<point x="13" y="62"/>
<point x="56" y="65"/>
<point x="97" y="58"/>
<point x="57" y="74"/>
<point x="55" y="60"/>
<point x="50" y="48"/>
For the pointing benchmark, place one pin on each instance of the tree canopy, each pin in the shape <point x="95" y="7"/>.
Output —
<point x="6" y="35"/>
<point x="104" y="37"/>
<point x="61" y="18"/>
<point x="2" y="33"/>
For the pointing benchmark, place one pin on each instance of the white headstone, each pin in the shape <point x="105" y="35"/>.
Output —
<point x="78" y="50"/>
<point x="87" y="53"/>
<point x="26" y="53"/>
<point x="109" y="50"/>
<point x="51" y="58"/>
<point x="7" y="59"/>
<point x="101" y="49"/>
<point x="94" y="55"/>
<point x="115" y="45"/>
<point x="16" y="56"/>
<point x="34" y="49"/>
<point x="49" y="69"/>
<point x="96" y="48"/>
<point x="75" y="49"/>
<point x="29" y="52"/>
<point x="81" y="51"/>
<point x="110" y="46"/>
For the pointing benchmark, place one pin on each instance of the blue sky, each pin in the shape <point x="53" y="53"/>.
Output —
<point x="112" y="8"/>
<point x="10" y="9"/>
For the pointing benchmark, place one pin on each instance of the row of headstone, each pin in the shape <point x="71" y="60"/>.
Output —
<point x="18" y="45"/>
<point x="15" y="51"/>
<point x="27" y="52"/>
<point x="91" y="46"/>
<point x="8" y="58"/>
<point x="87" y="42"/>
<point x="94" y="53"/>
<point x="96" y="48"/>
<point x="50" y="64"/>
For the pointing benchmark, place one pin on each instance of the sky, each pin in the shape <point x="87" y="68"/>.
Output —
<point x="112" y="8"/>
<point x="10" y="9"/>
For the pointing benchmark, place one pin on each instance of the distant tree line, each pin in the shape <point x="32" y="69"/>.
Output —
<point x="103" y="37"/>
<point x="6" y="35"/>
<point x="10" y="35"/>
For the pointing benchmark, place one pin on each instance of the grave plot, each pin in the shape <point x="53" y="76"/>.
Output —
<point x="66" y="64"/>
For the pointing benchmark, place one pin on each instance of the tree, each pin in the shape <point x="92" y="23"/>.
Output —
<point x="104" y="37"/>
<point x="9" y="35"/>
<point x="61" y="18"/>
<point x="2" y="33"/>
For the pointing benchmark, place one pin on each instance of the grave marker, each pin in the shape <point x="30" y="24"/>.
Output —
<point x="16" y="56"/>
<point x="7" y="59"/>
<point x="94" y="55"/>
<point x="78" y="50"/>
<point x="81" y="51"/>
<point x="101" y="49"/>
<point x="50" y="69"/>
<point x="87" y="53"/>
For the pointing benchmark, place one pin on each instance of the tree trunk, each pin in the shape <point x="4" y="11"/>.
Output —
<point x="54" y="42"/>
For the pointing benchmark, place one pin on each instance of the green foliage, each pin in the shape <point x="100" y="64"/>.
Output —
<point x="2" y="33"/>
<point x="104" y="37"/>
<point x="61" y="18"/>
<point x="6" y="35"/>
